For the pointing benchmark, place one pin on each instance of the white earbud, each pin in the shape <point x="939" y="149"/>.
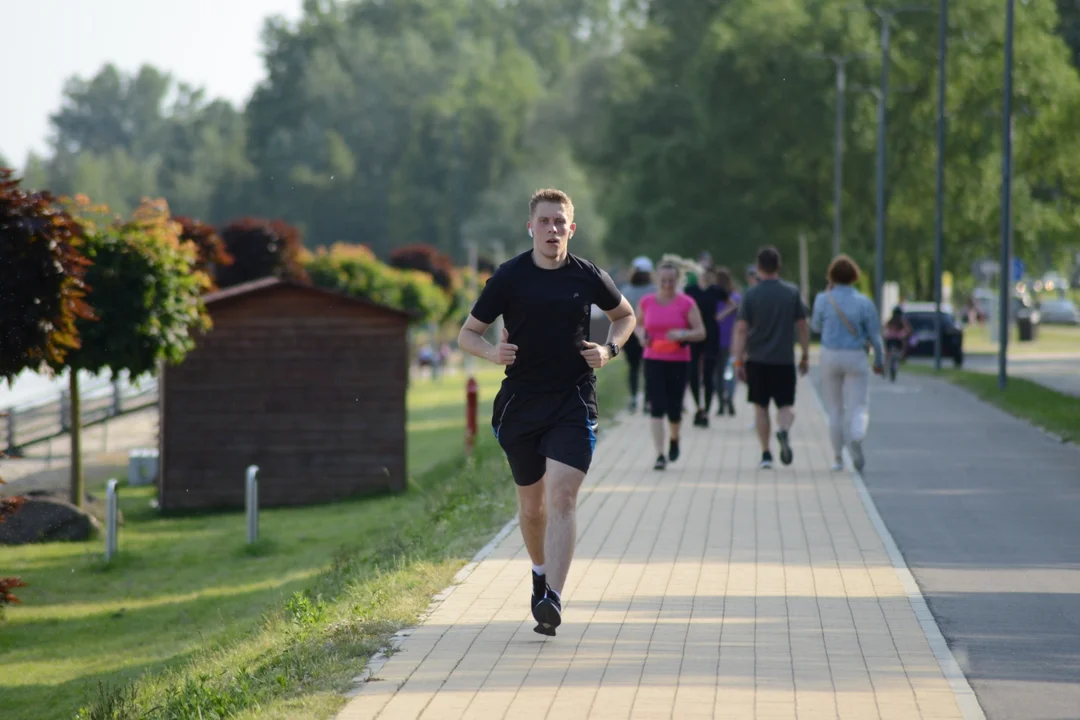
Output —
<point x="530" y="232"/>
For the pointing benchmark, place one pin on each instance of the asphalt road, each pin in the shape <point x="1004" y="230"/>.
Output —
<point x="986" y="511"/>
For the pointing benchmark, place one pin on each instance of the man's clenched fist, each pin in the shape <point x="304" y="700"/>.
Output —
<point x="505" y="351"/>
<point x="595" y="355"/>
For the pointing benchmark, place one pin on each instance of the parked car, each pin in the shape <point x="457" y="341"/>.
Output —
<point x="1059" y="312"/>
<point x="921" y="343"/>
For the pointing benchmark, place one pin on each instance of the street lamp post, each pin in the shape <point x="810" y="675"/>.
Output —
<point x="1006" y="200"/>
<point x="939" y="211"/>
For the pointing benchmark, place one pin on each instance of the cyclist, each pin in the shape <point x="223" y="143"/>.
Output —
<point x="897" y="331"/>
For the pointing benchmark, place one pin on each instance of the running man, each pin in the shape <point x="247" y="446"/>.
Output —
<point x="771" y="315"/>
<point x="545" y="414"/>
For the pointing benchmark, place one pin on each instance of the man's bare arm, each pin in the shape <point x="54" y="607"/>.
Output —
<point x="738" y="341"/>
<point x="471" y="340"/>
<point x="802" y="333"/>
<point x="623" y="323"/>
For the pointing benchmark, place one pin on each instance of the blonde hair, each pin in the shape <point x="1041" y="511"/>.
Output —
<point x="552" y="195"/>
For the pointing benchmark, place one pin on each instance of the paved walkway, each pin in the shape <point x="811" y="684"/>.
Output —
<point x="711" y="590"/>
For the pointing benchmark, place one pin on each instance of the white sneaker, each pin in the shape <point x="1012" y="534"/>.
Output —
<point x="857" y="458"/>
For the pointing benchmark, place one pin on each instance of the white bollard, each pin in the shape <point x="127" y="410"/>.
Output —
<point x="110" y="520"/>
<point x="251" y="503"/>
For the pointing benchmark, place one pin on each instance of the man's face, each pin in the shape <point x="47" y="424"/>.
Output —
<point x="552" y="229"/>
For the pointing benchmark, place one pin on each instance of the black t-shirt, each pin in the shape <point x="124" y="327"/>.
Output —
<point x="707" y="299"/>
<point x="547" y="313"/>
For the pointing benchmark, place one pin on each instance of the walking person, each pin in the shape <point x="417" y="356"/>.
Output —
<point x="668" y="321"/>
<point x="848" y="323"/>
<point x="545" y="414"/>
<point x="751" y="278"/>
<point x="726" y="310"/>
<point x="704" y="355"/>
<point x="771" y="317"/>
<point x="639" y="285"/>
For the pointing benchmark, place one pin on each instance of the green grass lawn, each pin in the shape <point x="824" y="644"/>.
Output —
<point x="1049" y="339"/>
<point x="189" y="623"/>
<point x="1053" y="411"/>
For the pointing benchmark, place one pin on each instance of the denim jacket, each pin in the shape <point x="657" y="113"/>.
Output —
<point x="860" y="312"/>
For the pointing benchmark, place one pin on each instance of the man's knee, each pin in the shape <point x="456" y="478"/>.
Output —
<point x="531" y="501"/>
<point x="563" y="483"/>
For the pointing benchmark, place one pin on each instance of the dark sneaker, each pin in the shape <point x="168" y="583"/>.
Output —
<point x="632" y="405"/>
<point x="673" y="450"/>
<point x="786" y="456"/>
<point x="766" y="461"/>
<point x="548" y="614"/>
<point x="539" y="589"/>
<point x="660" y="464"/>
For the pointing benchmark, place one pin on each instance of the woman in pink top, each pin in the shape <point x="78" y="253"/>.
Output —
<point x="668" y="321"/>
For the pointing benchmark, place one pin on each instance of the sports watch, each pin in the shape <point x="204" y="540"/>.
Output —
<point x="613" y="348"/>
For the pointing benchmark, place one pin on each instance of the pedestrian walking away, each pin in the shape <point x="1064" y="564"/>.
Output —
<point x="705" y="355"/>
<point x="726" y="310"/>
<point x="545" y="414"/>
<point x="639" y="285"/>
<point x="848" y="323"/>
<point x="668" y="321"/>
<point x="770" y="318"/>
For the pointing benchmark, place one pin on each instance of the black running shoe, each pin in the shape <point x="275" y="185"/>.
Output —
<point x="548" y="614"/>
<point x="786" y="456"/>
<point x="673" y="450"/>
<point x="766" y="461"/>
<point x="539" y="589"/>
<point x="660" y="464"/>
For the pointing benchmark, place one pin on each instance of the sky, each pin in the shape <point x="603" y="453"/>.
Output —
<point x="213" y="44"/>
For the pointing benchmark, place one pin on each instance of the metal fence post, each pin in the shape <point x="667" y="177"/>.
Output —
<point x="65" y="411"/>
<point x="110" y="520"/>
<point x="251" y="503"/>
<point x="11" y="428"/>
<point x="117" y="399"/>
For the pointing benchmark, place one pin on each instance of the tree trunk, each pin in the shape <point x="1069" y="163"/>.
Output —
<point x="78" y="487"/>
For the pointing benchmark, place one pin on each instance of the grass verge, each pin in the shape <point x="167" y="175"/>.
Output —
<point x="188" y="623"/>
<point x="1048" y="409"/>
<point x="1048" y="340"/>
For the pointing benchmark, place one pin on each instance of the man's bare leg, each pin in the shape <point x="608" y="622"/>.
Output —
<point x="532" y="516"/>
<point x="563" y="483"/>
<point x="761" y="424"/>
<point x="785" y="417"/>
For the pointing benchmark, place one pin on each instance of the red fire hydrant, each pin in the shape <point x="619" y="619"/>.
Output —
<point x="471" y="392"/>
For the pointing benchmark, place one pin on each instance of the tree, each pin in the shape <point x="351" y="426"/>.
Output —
<point x="427" y="259"/>
<point x="146" y="293"/>
<point x="261" y="248"/>
<point x="209" y="247"/>
<point x="42" y="287"/>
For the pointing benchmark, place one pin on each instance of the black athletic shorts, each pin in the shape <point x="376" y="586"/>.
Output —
<point x="532" y="427"/>
<point x="770" y="382"/>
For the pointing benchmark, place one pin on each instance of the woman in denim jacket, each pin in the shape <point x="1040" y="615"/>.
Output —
<point x="849" y="324"/>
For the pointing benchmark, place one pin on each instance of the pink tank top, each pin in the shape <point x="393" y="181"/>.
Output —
<point x="658" y="319"/>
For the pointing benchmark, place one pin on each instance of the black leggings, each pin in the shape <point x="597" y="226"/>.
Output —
<point x="702" y="371"/>
<point x="633" y="351"/>
<point x="665" y="383"/>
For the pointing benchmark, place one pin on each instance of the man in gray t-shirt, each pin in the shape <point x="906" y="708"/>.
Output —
<point x="771" y="318"/>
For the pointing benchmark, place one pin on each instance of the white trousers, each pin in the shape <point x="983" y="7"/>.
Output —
<point x="845" y="382"/>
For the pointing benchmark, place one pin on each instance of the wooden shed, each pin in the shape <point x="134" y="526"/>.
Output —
<point x="306" y="383"/>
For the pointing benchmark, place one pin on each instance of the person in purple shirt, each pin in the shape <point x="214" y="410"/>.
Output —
<point x="726" y="311"/>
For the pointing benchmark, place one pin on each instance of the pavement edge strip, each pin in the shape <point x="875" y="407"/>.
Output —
<point x="965" y="696"/>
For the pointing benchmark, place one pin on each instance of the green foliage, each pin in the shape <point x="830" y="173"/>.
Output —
<point x="354" y="270"/>
<point x="42" y="289"/>
<point x="144" y="290"/>
<point x="261" y="248"/>
<point x="209" y="247"/>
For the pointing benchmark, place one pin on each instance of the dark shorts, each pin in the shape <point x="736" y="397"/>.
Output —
<point x="770" y="382"/>
<point x="665" y="386"/>
<point x="534" y="427"/>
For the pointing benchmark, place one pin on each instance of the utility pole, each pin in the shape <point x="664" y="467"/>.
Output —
<point x="939" y="210"/>
<point x="1006" y="201"/>
<point x="840" y="61"/>
<point x="886" y="16"/>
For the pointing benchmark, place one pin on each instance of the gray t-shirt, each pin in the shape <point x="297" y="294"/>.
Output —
<point x="634" y="293"/>
<point x="771" y="308"/>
